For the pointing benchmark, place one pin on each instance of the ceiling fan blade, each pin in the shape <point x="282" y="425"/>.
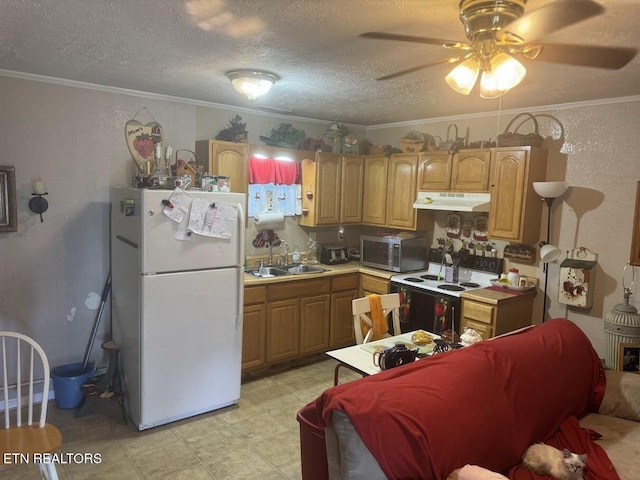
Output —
<point x="413" y="39"/>
<point x="419" y="67"/>
<point x="583" y="55"/>
<point x="551" y="18"/>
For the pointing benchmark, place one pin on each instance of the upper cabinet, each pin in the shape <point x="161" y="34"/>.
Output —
<point x="470" y="171"/>
<point x="516" y="209"/>
<point x="225" y="158"/>
<point x="401" y="190"/>
<point x="466" y="171"/>
<point x="434" y="171"/>
<point x="351" y="194"/>
<point x="374" y="208"/>
<point x="390" y="188"/>
<point x="321" y="188"/>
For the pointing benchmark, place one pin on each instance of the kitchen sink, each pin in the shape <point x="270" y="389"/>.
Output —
<point x="266" y="272"/>
<point x="298" y="269"/>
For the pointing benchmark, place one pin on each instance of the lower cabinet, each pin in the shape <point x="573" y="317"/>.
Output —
<point x="289" y="320"/>
<point x="493" y="313"/>
<point x="254" y="327"/>
<point x="343" y="290"/>
<point x="372" y="284"/>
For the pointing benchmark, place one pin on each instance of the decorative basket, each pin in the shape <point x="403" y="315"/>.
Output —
<point x="379" y="149"/>
<point x="515" y="139"/>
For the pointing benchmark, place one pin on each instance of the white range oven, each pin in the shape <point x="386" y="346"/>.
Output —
<point x="431" y="303"/>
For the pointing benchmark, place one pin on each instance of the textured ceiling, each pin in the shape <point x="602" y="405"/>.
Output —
<point x="183" y="48"/>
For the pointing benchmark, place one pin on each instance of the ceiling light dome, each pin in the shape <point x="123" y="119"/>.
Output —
<point x="252" y="83"/>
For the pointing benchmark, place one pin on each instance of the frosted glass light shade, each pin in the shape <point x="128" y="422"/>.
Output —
<point x="463" y="77"/>
<point x="550" y="189"/>
<point x="252" y="83"/>
<point x="549" y="253"/>
<point x="504" y="73"/>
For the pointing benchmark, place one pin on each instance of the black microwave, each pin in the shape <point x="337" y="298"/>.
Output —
<point x="395" y="254"/>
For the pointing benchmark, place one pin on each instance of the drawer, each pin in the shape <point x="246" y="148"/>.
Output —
<point x="479" y="312"/>
<point x="485" y="331"/>
<point x="298" y="288"/>
<point x="345" y="282"/>
<point x="255" y="295"/>
<point x="369" y="283"/>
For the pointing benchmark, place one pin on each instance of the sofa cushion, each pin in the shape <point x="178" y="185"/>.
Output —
<point x="483" y="405"/>
<point x="620" y="438"/>
<point x="621" y="398"/>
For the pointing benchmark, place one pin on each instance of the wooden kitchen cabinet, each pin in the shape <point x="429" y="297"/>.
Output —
<point x="254" y="326"/>
<point x="374" y="207"/>
<point x="315" y="314"/>
<point x="493" y="313"/>
<point x="401" y="191"/>
<point x="225" y="158"/>
<point x="283" y="330"/>
<point x="351" y="194"/>
<point x="434" y="171"/>
<point x="298" y="315"/>
<point x="334" y="183"/>
<point x="344" y="289"/>
<point x="470" y="172"/>
<point x="372" y="284"/>
<point x="516" y="209"/>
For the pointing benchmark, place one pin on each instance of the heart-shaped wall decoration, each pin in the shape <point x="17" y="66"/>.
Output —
<point x="142" y="139"/>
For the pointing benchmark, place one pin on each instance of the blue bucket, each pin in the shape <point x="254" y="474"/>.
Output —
<point x="67" y="380"/>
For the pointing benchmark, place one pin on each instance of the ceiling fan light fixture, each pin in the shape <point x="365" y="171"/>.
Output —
<point x="252" y="83"/>
<point x="463" y="77"/>
<point x="504" y="73"/>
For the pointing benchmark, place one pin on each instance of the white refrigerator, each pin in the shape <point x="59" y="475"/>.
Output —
<point x="176" y="307"/>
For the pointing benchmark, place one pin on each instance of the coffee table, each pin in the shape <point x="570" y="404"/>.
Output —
<point x="359" y="358"/>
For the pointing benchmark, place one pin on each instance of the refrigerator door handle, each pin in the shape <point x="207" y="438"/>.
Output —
<point x="240" y="263"/>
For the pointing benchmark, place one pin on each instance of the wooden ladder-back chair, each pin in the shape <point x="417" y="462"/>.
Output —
<point x="361" y="312"/>
<point x="27" y="440"/>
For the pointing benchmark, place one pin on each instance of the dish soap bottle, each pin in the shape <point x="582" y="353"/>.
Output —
<point x="296" y="254"/>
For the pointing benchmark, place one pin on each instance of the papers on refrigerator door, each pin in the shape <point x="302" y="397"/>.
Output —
<point x="178" y="205"/>
<point x="217" y="219"/>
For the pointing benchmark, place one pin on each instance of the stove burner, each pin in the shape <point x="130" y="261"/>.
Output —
<point x="453" y="288"/>
<point x="430" y="277"/>
<point x="469" y="284"/>
<point x="413" y="279"/>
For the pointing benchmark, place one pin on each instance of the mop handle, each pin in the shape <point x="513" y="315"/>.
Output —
<point x="105" y="294"/>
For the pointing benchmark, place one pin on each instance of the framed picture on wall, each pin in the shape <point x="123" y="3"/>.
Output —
<point x="635" y="239"/>
<point x="8" y="210"/>
<point x="629" y="357"/>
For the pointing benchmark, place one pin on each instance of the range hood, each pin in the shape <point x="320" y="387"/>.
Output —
<point x="453" y="201"/>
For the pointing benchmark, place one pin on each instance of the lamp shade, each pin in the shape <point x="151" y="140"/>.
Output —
<point x="252" y="83"/>
<point x="550" y="189"/>
<point x="463" y="77"/>
<point x="504" y="73"/>
<point x="549" y="253"/>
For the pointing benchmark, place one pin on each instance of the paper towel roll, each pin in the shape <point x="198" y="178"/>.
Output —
<point x="270" y="218"/>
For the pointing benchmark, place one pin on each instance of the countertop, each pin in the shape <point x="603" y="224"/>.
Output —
<point x="330" y="270"/>
<point x="490" y="295"/>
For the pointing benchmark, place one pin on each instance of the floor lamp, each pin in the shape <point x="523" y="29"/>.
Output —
<point x="549" y="191"/>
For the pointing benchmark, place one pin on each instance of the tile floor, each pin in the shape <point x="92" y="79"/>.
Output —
<point x="258" y="438"/>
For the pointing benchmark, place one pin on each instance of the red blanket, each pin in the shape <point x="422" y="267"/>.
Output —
<point x="481" y="405"/>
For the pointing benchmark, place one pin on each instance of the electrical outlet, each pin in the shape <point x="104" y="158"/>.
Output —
<point x="340" y="233"/>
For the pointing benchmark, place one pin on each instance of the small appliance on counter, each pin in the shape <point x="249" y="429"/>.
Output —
<point x="393" y="253"/>
<point x="333" y="253"/>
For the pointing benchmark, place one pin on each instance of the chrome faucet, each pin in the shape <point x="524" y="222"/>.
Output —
<point x="286" y="251"/>
<point x="270" y="254"/>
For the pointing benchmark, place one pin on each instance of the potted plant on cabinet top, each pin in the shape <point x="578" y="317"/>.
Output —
<point x="235" y="132"/>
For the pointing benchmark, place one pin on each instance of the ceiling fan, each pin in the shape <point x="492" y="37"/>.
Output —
<point x="498" y="31"/>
